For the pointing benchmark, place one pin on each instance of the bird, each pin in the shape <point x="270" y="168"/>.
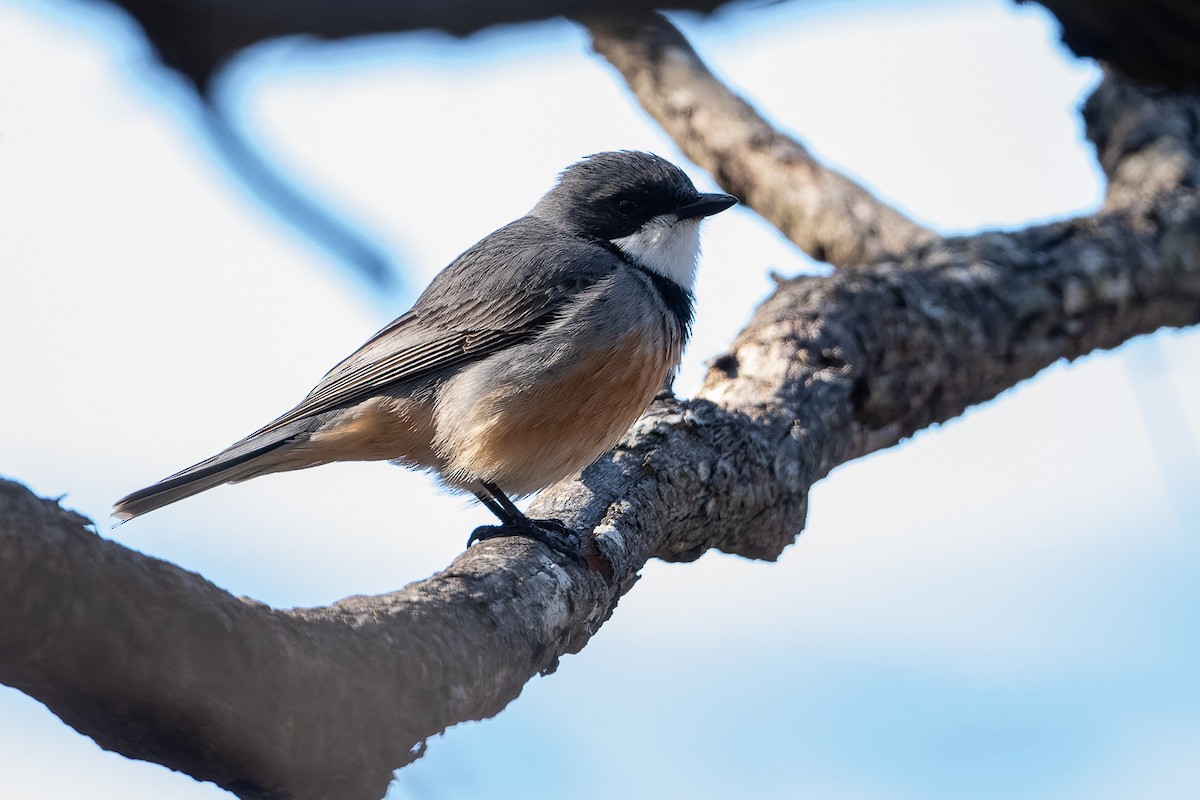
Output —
<point x="523" y="360"/>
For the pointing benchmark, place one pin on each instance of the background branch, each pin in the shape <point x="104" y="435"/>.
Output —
<point x="304" y="211"/>
<point x="197" y="37"/>
<point x="1152" y="41"/>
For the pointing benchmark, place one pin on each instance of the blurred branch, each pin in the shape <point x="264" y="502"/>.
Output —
<point x="156" y="663"/>
<point x="823" y="212"/>
<point x="1152" y="40"/>
<point x="298" y="209"/>
<point x="197" y="37"/>
<point x="1156" y="41"/>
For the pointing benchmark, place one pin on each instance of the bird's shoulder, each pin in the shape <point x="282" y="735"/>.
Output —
<point x="509" y="278"/>
<point x="527" y="258"/>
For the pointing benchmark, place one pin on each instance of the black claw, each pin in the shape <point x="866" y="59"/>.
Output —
<point x="550" y="532"/>
<point x="485" y="532"/>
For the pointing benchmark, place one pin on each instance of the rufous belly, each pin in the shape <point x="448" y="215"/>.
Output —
<point x="523" y="440"/>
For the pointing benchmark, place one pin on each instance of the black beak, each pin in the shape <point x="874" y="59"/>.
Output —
<point x="705" y="205"/>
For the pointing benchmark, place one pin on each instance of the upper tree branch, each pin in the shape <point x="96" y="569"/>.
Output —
<point x="1149" y="39"/>
<point x="196" y="37"/>
<point x="826" y="214"/>
<point x="156" y="663"/>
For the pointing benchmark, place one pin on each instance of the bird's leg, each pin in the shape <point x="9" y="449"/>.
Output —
<point x="509" y="511"/>
<point x="491" y="505"/>
<point x="550" y="532"/>
<point x="667" y="390"/>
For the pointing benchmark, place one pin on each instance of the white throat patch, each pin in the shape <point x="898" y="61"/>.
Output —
<point x="668" y="246"/>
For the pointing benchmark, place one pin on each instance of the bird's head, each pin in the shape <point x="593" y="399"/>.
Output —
<point x="643" y="204"/>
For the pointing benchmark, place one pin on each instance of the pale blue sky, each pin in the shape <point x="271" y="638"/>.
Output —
<point x="1002" y="608"/>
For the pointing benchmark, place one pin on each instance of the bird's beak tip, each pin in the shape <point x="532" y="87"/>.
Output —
<point x="705" y="205"/>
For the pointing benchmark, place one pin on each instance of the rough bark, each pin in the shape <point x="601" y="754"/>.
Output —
<point x="827" y="215"/>
<point x="155" y="662"/>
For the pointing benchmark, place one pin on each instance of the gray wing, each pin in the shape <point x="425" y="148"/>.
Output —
<point x="500" y="292"/>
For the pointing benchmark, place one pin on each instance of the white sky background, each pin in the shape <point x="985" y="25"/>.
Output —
<point x="1004" y="607"/>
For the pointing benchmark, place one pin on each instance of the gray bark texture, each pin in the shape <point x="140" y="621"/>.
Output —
<point x="157" y="663"/>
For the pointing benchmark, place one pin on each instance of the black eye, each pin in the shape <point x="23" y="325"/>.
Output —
<point x="627" y="208"/>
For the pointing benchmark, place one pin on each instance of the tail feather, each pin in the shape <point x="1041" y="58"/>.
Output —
<point x="244" y="460"/>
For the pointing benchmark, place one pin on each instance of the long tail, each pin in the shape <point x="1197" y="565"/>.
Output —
<point x="255" y="455"/>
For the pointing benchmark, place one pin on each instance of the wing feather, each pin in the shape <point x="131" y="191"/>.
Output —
<point x="500" y="292"/>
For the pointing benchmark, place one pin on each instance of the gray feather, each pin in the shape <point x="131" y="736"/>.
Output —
<point x="241" y="461"/>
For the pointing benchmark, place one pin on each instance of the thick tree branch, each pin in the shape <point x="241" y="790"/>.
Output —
<point x="156" y="663"/>
<point x="826" y="214"/>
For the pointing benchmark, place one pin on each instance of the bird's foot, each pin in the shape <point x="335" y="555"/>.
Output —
<point x="550" y="532"/>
